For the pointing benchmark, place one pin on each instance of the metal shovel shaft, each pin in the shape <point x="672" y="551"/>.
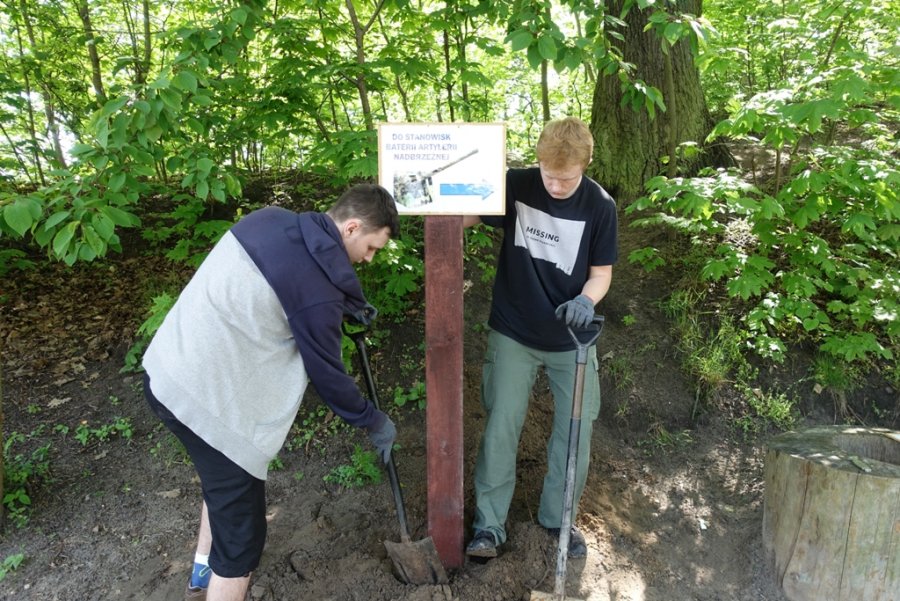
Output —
<point x="414" y="562"/>
<point x="565" y="527"/>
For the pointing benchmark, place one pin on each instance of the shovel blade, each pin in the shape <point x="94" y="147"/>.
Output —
<point x="417" y="562"/>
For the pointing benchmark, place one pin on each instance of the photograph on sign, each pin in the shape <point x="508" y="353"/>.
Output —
<point x="444" y="168"/>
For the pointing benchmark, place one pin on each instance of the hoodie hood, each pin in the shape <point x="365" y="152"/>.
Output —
<point x="326" y="247"/>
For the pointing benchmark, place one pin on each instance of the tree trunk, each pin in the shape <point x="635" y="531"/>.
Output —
<point x="91" y="41"/>
<point x="448" y="74"/>
<point x="629" y="144"/>
<point x="47" y="95"/>
<point x="30" y="119"/>
<point x="359" y="35"/>
<point x="545" y="92"/>
<point x="831" y="523"/>
<point x="148" y="41"/>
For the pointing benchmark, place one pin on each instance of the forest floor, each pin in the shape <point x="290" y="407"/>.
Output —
<point x="672" y="510"/>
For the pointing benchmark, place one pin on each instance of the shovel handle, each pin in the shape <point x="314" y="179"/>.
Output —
<point x="582" y="345"/>
<point x="359" y="340"/>
<point x="581" y="352"/>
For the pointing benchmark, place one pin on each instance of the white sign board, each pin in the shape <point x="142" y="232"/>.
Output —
<point x="444" y="168"/>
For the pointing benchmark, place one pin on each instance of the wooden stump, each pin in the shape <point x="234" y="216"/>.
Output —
<point x="831" y="523"/>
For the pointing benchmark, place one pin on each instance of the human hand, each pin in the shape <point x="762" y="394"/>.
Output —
<point x="577" y="312"/>
<point x="383" y="436"/>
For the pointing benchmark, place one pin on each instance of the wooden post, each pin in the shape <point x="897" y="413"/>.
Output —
<point x="444" y="384"/>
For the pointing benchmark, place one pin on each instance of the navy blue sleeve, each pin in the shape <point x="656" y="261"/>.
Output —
<point x="317" y="332"/>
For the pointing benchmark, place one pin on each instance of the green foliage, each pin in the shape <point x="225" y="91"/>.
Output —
<point x="314" y="426"/>
<point x="837" y="376"/>
<point x="190" y="233"/>
<point x="393" y="280"/>
<point x="711" y="348"/>
<point x="13" y="259"/>
<point x="10" y="564"/>
<point x="86" y="434"/>
<point x="480" y="244"/>
<point x="159" y="308"/>
<point x="25" y="474"/>
<point x="808" y="251"/>
<point x="660" y="439"/>
<point x="776" y="410"/>
<point x="815" y="261"/>
<point x="647" y="257"/>
<point x="414" y="395"/>
<point x="168" y="448"/>
<point x="363" y="470"/>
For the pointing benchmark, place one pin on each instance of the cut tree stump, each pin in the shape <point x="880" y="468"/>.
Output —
<point x="831" y="522"/>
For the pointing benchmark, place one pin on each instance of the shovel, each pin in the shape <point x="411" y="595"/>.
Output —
<point x="414" y="562"/>
<point x="562" y="551"/>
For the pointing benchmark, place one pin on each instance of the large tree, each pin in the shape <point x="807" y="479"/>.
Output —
<point x="632" y="134"/>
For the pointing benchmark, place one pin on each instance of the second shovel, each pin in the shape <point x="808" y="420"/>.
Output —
<point x="415" y="562"/>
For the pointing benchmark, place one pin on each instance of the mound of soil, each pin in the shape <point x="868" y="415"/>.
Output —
<point x="672" y="510"/>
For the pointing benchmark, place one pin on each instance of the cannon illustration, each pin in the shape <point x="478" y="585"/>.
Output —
<point x="412" y="189"/>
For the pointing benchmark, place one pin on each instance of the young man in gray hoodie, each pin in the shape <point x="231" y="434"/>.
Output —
<point x="227" y="369"/>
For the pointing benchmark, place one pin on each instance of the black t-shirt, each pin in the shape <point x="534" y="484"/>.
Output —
<point x="549" y="246"/>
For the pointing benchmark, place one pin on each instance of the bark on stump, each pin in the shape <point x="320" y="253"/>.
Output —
<point x="831" y="523"/>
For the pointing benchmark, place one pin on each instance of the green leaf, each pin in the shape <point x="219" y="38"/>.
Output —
<point x="218" y="191"/>
<point x="120" y="217"/>
<point x="112" y="106"/>
<point x="93" y="240"/>
<point x="534" y="57"/>
<point x="715" y="270"/>
<point x="185" y="80"/>
<point x="204" y="166"/>
<point x="117" y="181"/>
<point x="519" y="39"/>
<point x="172" y="98"/>
<point x="82" y="150"/>
<point x="202" y="189"/>
<point x="160" y="83"/>
<point x="212" y="38"/>
<point x="547" y="47"/>
<point x="56" y="219"/>
<point x="232" y="185"/>
<point x="672" y="33"/>
<point x="18" y="216"/>
<point x="805" y="215"/>
<point x="103" y="225"/>
<point x="63" y="238"/>
<point x="174" y="163"/>
<point x="239" y="15"/>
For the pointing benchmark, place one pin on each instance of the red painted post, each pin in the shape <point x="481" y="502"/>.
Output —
<point x="444" y="384"/>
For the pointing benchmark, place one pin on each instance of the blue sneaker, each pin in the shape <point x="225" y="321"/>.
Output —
<point x="194" y="593"/>
<point x="199" y="582"/>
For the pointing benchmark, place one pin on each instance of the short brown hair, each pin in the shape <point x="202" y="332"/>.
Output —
<point x="565" y="142"/>
<point x="371" y="204"/>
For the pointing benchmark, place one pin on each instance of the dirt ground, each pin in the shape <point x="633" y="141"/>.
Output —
<point x="672" y="510"/>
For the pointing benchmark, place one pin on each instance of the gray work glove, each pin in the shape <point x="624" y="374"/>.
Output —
<point x="383" y="436"/>
<point x="577" y="312"/>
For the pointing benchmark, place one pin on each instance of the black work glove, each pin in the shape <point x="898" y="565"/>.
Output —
<point x="383" y="436"/>
<point x="577" y="312"/>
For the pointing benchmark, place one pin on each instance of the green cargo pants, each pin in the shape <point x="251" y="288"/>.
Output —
<point x="510" y="369"/>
